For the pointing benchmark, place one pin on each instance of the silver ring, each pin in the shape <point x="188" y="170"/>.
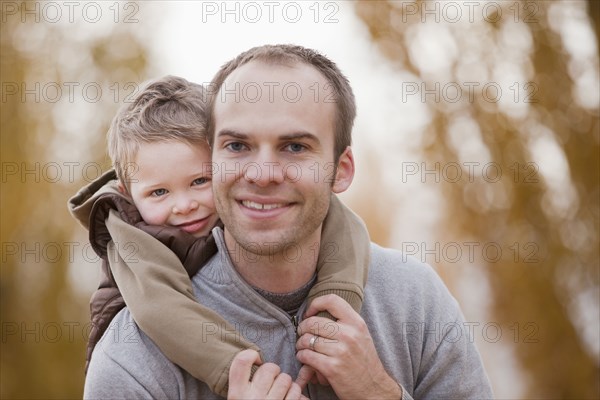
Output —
<point x="311" y="343"/>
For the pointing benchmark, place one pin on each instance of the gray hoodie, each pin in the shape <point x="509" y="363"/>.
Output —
<point x="416" y="325"/>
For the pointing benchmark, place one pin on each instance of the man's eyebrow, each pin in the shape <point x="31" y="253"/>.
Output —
<point x="232" y="133"/>
<point x="300" y="135"/>
<point x="288" y="137"/>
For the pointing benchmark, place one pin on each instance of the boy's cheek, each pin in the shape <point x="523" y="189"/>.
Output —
<point x="207" y="199"/>
<point x="151" y="214"/>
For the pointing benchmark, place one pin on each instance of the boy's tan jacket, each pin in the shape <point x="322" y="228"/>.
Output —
<point x="91" y="207"/>
<point x="114" y="223"/>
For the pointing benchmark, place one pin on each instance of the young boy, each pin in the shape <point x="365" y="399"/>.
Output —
<point x="163" y="195"/>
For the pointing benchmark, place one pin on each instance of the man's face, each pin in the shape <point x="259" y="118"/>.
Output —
<point x="273" y="152"/>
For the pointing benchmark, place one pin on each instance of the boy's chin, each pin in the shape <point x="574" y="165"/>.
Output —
<point x="200" y="234"/>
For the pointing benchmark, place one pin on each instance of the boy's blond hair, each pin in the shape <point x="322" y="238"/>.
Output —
<point x="169" y="108"/>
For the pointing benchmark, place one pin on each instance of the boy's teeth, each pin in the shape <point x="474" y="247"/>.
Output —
<point x="258" y="206"/>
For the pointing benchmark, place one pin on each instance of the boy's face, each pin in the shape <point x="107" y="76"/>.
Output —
<point x="172" y="186"/>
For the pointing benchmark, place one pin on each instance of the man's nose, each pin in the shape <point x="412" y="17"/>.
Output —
<point x="184" y="205"/>
<point x="266" y="169"/>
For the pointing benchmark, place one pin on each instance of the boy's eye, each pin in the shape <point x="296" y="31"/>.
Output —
<point x="158" y="192"/>
<point x="295" y="147"/>
<point x="236" y="146"/>
<point x="200" y="181"/>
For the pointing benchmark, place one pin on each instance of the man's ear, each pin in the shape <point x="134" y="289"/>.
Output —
<point x="345" y="172"/>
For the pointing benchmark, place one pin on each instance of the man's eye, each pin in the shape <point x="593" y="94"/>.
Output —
<point x="199" y="181"/>
<point x="295" y="147"/>
<point x="236" y="146"/>
<point x="158" y="192"/>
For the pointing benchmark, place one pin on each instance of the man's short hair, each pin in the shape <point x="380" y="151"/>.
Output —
<point x="288" y="55"/>
<point x="169" y="108"/>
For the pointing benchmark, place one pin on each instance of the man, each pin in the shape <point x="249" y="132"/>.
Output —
<point x="280" y="124"/>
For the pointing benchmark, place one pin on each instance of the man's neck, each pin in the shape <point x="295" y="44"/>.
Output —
<point x="280" y="272"/>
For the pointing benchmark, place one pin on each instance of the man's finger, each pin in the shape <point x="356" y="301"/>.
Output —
<point x="319" y="344"/>
<point x="321" y="379"/>
<point x="241" y="365"/>
<point x="326" y="330"/>
<point x="336" y="306"/>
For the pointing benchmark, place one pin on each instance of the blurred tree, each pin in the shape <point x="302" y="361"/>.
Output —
<point x="594" y="10"/>
<point x="43" y="318"/>
<point x="545" y="141"/>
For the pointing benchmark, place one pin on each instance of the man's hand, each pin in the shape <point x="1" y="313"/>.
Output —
<point x="343" y="352"/>
<point x="267" y="382"/>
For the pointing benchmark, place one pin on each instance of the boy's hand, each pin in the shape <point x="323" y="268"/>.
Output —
<point x="267" y="382"/>
<point x="308" y="374"/>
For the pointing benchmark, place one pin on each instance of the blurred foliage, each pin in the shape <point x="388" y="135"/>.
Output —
<point x="43" y="317"/>
<point x="556" y="288"/>
<point x="553" y="283"/>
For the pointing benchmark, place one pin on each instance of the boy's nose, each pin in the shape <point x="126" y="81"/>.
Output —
<point x="185" y="206"/>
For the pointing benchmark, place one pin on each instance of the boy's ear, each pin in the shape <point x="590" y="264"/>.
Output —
<point x="122" y="188"/>
<point x="345" y="172"/>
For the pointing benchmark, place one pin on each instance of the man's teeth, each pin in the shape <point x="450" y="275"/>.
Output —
<point x="258" y="206"/>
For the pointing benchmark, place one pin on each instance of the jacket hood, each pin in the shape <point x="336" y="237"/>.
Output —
<point x="80" y="206"/>
<point x="91" y="205"/>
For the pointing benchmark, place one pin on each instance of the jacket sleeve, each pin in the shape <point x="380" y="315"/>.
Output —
<point x="159" y="295"/>
<point x="344" y="256"/>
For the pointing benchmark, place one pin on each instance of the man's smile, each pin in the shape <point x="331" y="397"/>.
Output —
<point x="262" y="208"/>
<point x="259" y="206"/>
